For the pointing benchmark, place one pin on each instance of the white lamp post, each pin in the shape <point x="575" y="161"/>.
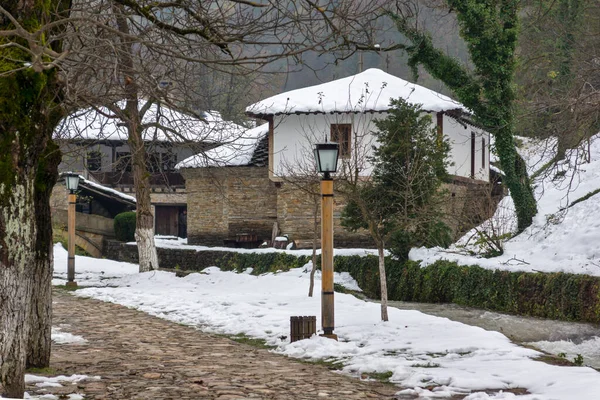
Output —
<point x="72" y="182"/>
<point x="326" y="156"/>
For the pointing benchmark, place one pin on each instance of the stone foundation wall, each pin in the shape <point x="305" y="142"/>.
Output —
<point x="224" y="203"/>
<point x="295" y="214"/>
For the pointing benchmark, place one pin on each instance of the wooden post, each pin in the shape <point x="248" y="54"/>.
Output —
<point x="327" y="304"/>
<point x="71" y="250"/>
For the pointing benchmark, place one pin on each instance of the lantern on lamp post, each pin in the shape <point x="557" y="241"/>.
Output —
<point x="72" y="182"/>
<point x="326" y="157"/>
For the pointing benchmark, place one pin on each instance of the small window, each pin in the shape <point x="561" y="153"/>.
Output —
<point x="342" y="134"/>
<point x="123" y="162"/>
<point x="169" y="160"/>
<point x="94" y="161"/>
<point x="482" y="152"/>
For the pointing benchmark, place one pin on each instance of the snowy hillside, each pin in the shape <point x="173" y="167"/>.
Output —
<point x="565" y="232"/>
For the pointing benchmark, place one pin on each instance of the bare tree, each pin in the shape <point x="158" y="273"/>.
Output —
<point x="35" y="68"/>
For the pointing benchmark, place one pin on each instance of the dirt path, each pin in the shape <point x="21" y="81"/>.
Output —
<point x="142" y="357"/>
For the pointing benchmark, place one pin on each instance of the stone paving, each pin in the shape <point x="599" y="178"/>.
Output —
<point x="142" y="357"/>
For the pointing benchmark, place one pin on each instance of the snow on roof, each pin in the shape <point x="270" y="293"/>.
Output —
<point x="237" y="152"/>
<point x="101" y="188"/>
<point x="370" y="90"/>
<point x="162" y="124"/>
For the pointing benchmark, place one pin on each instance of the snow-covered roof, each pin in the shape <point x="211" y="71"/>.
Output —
<point x="100" y="188"/>
<point x="238" y="152"/>
<point x="162" y="124"/>
<point x="370" y="90"/>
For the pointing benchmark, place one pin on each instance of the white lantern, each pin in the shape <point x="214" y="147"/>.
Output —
<point x="326" y="156"/>
<point x="72" y="181"/>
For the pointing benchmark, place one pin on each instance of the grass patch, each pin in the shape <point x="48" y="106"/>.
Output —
<point x="333" y="365"/>
<point x="555" y="360"/>
<point x="258" y="343"/>
<point x="41" y="371"/>
<point x="428" y="365"/>
<point x="377" y="376"/>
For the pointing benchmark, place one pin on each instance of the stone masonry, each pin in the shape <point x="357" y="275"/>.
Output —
<point x="226" y="202"/>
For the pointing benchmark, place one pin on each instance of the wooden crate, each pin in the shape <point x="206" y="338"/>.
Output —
<point x="302" y="327"/>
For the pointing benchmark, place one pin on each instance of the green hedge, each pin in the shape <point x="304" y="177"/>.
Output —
<point x="125" y="226"/>
<point x="260" y="262"/>
<point x="549" y="295"/>
<point x="557" y="295"/>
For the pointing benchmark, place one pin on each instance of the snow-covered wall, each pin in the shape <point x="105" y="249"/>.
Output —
<point x="294" y="137"/>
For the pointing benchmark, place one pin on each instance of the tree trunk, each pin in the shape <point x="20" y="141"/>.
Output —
<point x="516" y="177"/>
<point x="382" y="281"/>
<point x="144" y="232"/>
<point x="316" y="231"/>
<point x="38" y="349"/>
<point x="28" y="117"/>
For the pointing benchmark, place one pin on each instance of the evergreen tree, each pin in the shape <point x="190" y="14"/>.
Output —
<point x="398" y="204"/>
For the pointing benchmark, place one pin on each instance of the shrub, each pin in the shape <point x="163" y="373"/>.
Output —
<point x="125" y="226"/>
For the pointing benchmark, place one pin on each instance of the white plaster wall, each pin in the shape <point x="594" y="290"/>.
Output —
<point x="294" y="137"/>
<point x="459" y="136"/>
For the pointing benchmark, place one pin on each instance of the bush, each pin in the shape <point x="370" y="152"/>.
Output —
<point x="125" y="226"/>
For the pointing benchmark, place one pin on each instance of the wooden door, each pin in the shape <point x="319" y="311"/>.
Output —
<point x="165" y="220"/>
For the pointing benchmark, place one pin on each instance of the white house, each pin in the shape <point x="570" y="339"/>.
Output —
<point x="343" y="111"/>
<point x="236" y="192"/>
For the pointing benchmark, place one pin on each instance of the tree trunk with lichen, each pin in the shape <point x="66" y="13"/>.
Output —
<point x="38" y="350"/>
<point x="29" y="113"/>
<point x="28" y="117"/>
<point x="144" y="230"/>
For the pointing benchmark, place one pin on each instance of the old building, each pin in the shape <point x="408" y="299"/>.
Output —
<point x="94" y="144"/>
<point x="251" y="185"/>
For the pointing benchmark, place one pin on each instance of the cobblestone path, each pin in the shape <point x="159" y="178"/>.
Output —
<point x="142" y="357"/>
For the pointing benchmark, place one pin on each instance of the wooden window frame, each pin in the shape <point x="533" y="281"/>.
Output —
<point x="483" y="152"/>
<point x="336" y="131"/>
<point x="472" y="155"/>
<point x="93" y="158"/>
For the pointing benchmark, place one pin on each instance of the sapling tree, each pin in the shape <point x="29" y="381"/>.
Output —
<point x="399" y="202"/>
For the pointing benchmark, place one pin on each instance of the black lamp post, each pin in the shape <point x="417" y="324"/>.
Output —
<point x="326" y="156"/>
<point x="72" y="182"/>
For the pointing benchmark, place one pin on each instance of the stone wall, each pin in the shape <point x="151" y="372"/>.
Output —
<point x="183" y="259"/>
<point x="224" y="203"/>
<point x="295" y="215"/>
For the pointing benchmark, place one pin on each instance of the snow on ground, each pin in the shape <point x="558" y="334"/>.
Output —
<point x="172" y="242"/>
<point x="57" y="381"/>
<point x="569" y="349"/>
<point x="89" y="271"/>
<point x="558" y="240"/>
<point x="61" y="337"/>
<point x="431" y="356"/>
